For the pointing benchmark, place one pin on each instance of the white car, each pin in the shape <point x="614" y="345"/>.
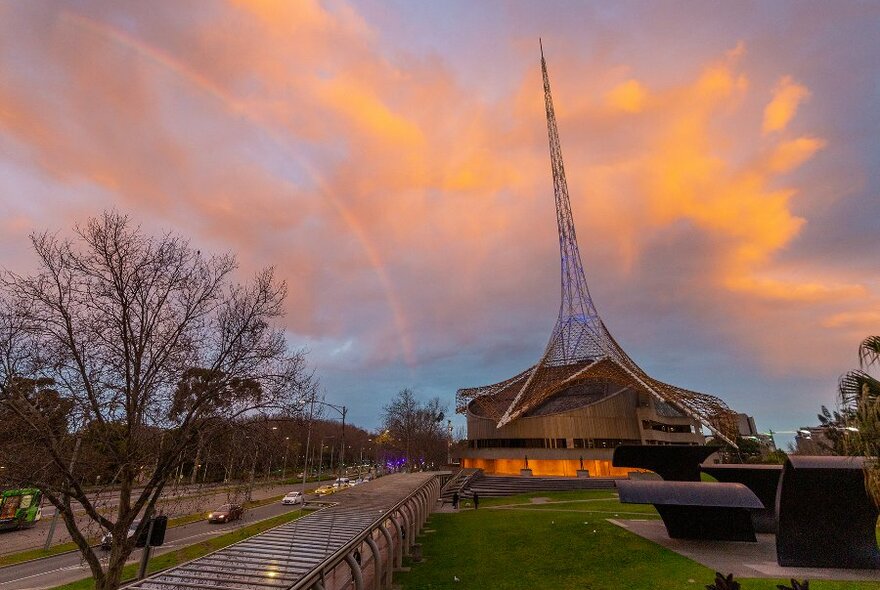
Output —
<point x="293" y="498"/>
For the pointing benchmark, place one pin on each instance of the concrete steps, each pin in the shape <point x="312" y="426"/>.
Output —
<point x="495" y="485"/>
<point x="458" y="482"/>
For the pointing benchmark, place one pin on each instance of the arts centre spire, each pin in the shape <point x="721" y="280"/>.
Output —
<point x="580" y="348"/>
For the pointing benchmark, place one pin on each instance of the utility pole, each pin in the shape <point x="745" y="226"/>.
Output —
<point x="145" y="555"/>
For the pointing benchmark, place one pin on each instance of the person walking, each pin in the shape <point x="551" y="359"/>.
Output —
<point x="476" y="501"/>
<point x="455" y="501"/>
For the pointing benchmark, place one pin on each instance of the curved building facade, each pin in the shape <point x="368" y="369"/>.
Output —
<point x="576" y="429"/>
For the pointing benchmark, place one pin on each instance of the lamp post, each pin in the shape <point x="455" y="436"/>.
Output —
<point x="449" y="442"/>
<point x="321" y="456"/>
<point x="342" y="412"/>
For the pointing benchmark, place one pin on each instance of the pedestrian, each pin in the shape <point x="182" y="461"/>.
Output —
<point x="476" y="501"/>
<point x="455" y="501"/>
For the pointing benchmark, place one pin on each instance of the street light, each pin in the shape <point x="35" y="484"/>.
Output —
<point x="321" y="455"/>
<point x="311" y="402"/>
<point x="342" y="411"/>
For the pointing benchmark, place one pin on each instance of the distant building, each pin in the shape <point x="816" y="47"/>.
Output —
<point x="746" y="425"/>
<point x="748" y="429"/>
<point x="813" y="440"/>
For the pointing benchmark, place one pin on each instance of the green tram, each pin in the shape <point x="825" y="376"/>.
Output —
<point x="20" y="508"/>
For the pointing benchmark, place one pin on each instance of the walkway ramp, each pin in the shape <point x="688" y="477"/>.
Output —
<point x="297" y="554"/>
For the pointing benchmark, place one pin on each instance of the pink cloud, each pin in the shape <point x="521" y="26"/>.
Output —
<point x="407" y="212"/>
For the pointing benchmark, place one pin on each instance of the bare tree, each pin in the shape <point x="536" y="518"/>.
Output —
<point x="147" y="347"/>
<point x="416" y="429"/>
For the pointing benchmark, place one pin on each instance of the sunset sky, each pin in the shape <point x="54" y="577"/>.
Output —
<point x="390" y="159"/>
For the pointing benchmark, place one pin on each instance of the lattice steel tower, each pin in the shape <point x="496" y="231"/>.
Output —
<point x="580" y="347"/>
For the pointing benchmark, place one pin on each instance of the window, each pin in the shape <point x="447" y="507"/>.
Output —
<point x="661" y="427"/>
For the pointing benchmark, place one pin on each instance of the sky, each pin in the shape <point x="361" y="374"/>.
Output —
<point x="390" y="159"/>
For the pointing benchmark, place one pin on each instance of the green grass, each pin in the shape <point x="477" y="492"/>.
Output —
<point x="190" y="552"/>
<point x="13" y="558"/>
<point x="610" y="508"/>
<point x="563" y="546"/>
<point x="555" y="496"/>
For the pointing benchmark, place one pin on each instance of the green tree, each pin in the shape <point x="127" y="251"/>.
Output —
<point x="835" y="423"/>
<point x="860" y="401"/>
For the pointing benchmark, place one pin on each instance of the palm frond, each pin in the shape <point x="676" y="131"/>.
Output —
<point x="856" y="385"/>
<point x="869" y="352"/>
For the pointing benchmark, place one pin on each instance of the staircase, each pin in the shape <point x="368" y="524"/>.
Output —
<point x="458" y="483"/>
<point x="498" y="485"/>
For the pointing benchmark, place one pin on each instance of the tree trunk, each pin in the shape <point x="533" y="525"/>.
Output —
<point x="113" y="575"/>
<point x="195" y="469"/>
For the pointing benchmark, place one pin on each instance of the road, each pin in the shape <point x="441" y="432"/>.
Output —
<point x="69" y="567"/>
<point x="199" y="499"/>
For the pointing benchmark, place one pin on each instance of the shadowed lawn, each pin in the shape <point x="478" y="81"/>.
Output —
<point x="554" y="496"/>
<point x="559" y="546"/>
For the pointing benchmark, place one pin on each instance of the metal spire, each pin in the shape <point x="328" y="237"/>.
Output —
<point x="579" y="333"/>
<point x="580" y="346"/>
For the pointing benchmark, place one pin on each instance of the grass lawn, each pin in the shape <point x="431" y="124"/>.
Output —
<point x="560" y="546"/>
<point x="190" y="552"/>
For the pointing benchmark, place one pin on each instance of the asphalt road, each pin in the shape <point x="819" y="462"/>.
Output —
<point x="69" y="567"/>
<point x="194" y="500"/>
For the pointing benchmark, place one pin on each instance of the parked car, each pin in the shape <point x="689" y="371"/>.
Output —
<point x="293" y="498"/>
<point x="107" y="538"/>
<point x="226" y="513"/>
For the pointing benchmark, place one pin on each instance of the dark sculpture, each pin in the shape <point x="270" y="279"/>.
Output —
<point x="672" y="463"/>
<point x="826" y="518"/>
<point x="763" y="480"/>
<point x="696" y="510"/>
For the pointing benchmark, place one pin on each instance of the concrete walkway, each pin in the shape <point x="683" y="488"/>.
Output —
<point x="743" y="560"/>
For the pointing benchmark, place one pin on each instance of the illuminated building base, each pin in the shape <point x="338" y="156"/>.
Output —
<point x="546" y="467"/>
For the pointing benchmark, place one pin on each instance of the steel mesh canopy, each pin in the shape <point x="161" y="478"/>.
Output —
<point x="580" y="347"/>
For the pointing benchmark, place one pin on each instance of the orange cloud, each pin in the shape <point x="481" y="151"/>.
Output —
<point x="629" y="97"/>
<point x="405" y="209"/>
<point x="865" y="322"/>
<point x="788" y="155"/>
<point x="787" y="96"/>
<point x="686" y="169"/>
